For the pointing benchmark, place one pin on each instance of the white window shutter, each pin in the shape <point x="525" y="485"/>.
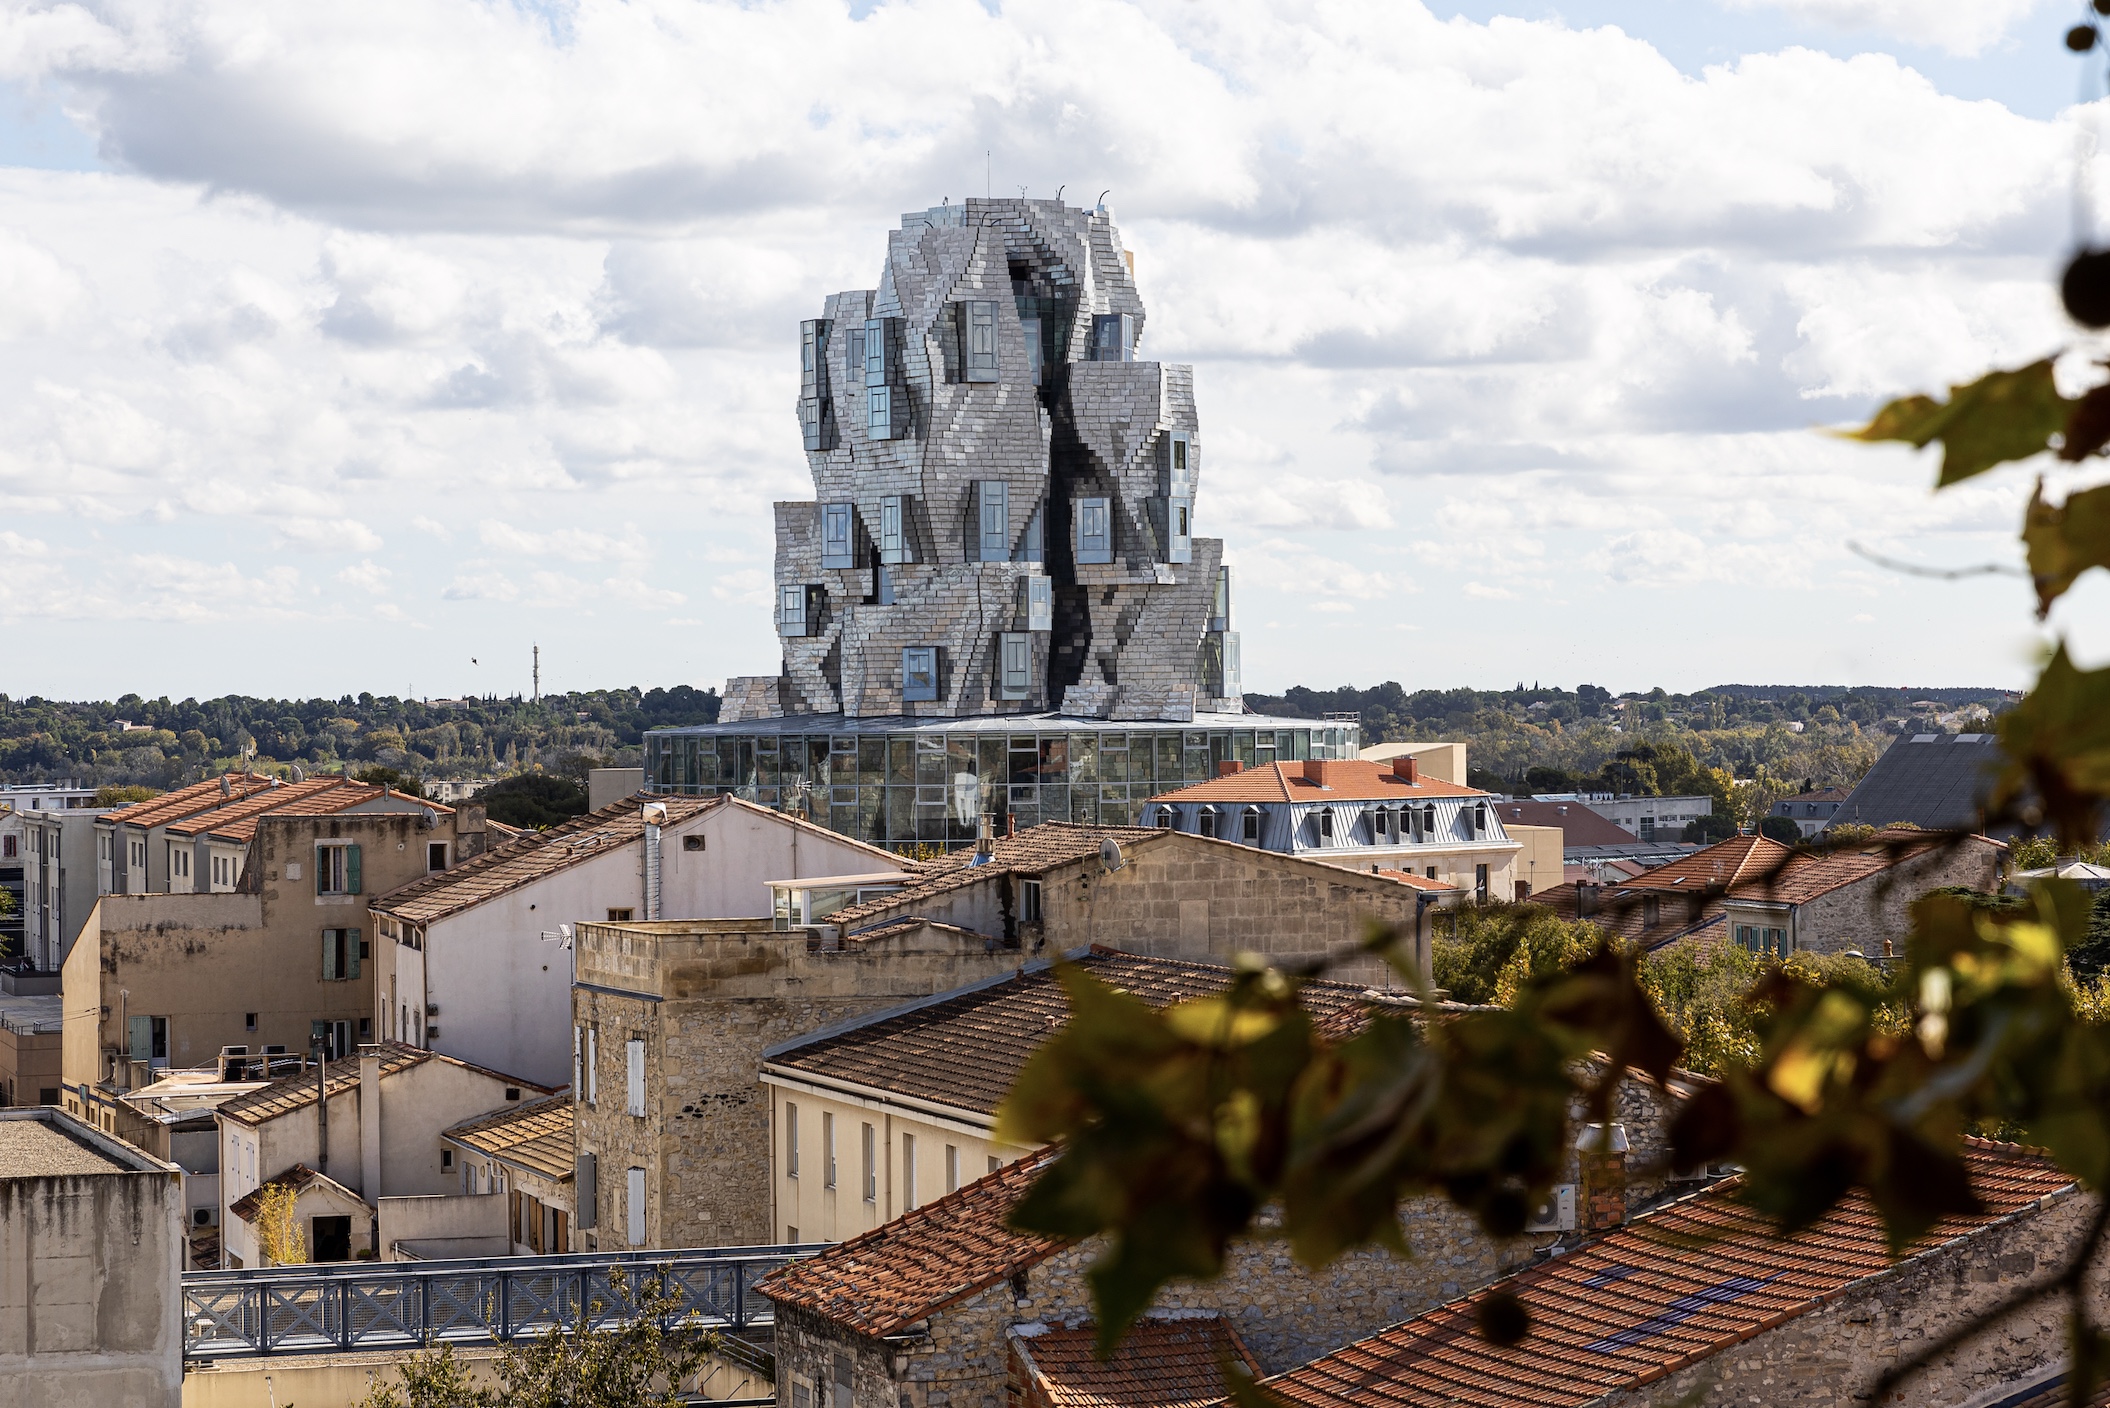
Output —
<point x="634" y="1200"/>
<point x="636" y="1051"/>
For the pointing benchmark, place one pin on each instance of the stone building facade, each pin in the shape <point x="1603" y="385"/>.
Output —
<point x="670" y="1020"/>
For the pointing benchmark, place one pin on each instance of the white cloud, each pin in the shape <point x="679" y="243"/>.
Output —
<point x="1476" y="309"/>
<point x="367" y="575"/>
<point x="1964" y="27"/>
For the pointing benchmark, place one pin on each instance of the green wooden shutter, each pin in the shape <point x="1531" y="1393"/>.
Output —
<point x="351" y="952"/>
<point x="329" y="955"/>
<point x="140" y="1033"/>
<point x="351" y="870"/>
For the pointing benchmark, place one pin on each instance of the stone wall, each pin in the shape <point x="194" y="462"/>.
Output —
<point x="707" y="998"/>
<point x="1863" y="915"/>
<point x="1829" y="1356"/>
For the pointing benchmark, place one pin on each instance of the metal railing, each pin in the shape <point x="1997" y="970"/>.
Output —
<point x="327" y="1308"/>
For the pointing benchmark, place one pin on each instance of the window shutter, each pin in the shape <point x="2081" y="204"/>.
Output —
<point x="351" y="870"/>
<point x="329" y="955"/>
<point x="593" y="1070"/>
<point x="351" y="953"/>
<point x="513" y="1214"/>
<point x="635" y="1198"/>
<point x="322" y="870"/>
<point x="636" y="1052"/>
<point x="139" y="1033"/>
<point x="586" y="1190"/>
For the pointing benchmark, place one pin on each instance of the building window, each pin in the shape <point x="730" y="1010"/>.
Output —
<point x="827" y="1150"/>
<point x="908" y="1172"/>
<point x="1480" y="883"/>
<point x="635" y="1051"/>
<point x="1095" y="530"/>
<point x="340" y="955"/>
<point x="994" y="1163"/>
<point x="1168" y="819"/>
<point x="791" y="1141"/>
<point x="1040" y="599"/>
<point x="1251" y="826"/>
<point x="893" y="529"/>
<point x="978" y="340"/>
<point x="919" y="674"/>
<point x="952" y="1168"/>
<point x="620" y="916"/>
<point x="435" y="855"/>
<point x="1325" y="820"/>
<point x="1015" y="661"/>
<point x="795" y="616"/>
<point x="871" y="1164"/>
<point x="336" y="870"/>
<point x="1029" y="910"/>
<point x="1205" y="822"/>
<point x="1113" y="337"/>
<point x="838" y="541"/>
<point x="993" y="515"/>
<point x="1651" y="911"/>
<point x="634" y="1196"/>
<point x="446" y="1160"/>
<point x="249" y="1021"/>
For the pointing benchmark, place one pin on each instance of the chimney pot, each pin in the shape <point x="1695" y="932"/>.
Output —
<point x="1228" y="767"/>
<point x="1600" y="1152"/>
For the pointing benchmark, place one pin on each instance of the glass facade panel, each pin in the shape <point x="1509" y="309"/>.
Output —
<point x="871" y="762"/>
<point x="1084" y="758"/>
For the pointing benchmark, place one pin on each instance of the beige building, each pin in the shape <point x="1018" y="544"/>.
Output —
<point x="475" y="961"/>
<point x="374" y="1128"/>
<point x="1356" y="814"/>
<point x="874" y="1118"/>
<point x="167" y="981"/>
<point x="91" y="1263"/>
<point x="523" y="1153"/>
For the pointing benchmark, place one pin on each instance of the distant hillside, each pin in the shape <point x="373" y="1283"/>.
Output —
<point x="1544" y="739"/>
<point x="170" y="743"/>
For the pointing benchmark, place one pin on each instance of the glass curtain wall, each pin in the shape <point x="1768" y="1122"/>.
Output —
<point x="912" y="787"/>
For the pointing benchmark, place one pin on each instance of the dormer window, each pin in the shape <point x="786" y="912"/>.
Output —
<point x="1326" y="826"/>
<point x="1205" y="821"/>
<point x="1168" y="820"/>
<point x="1252" y="826"/>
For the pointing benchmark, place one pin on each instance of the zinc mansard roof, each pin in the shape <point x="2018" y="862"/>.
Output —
<point x="887" y="1279"/>
<point x="1163" y="1362"/>
<point x="966" y="1049"/>
<point x="535" y="1134"/>
<point x="532" y="857"/>
<point x="1346" y="780"/>
<point x="1628" y="1308"/>
<point x="1033" y="851"/>
<point x="1579" y="825"/>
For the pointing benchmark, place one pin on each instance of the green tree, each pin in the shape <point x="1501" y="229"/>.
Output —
<point x="534" y="800"/>
<point x="406" y="783"/>
<point x="118" y="796"/>
<point x="1780" y="829"/>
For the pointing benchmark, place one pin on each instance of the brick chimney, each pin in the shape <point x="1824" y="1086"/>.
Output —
<point x="1408" y="767"/>
<point x="1324" y="771"/>
<point x="1228" y="767"/>
<point x="1586" y="898"/>
<point x="1600" y="1156"/>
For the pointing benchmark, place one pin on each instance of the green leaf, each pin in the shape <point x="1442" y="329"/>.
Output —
<point x="2001" y="416"/>
<point x="2057" y="744"/>
<point x="2065" y="541"/>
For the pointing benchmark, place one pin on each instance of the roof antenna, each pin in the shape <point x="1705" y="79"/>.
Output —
<point x="1058" y="192"/>
<point x="1102" y="199"/>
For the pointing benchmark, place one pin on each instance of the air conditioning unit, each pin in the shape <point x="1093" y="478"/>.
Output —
<point x="1557" y="1213"/>
<point x="1707" y="1173"/>
<point x="432" y="1009"/>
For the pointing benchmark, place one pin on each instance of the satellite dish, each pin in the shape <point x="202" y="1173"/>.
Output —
<point x="1110" y="855"/>
<point x="428" y="818"/>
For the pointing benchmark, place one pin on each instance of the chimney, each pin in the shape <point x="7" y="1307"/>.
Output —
<point x="1585" y="898"/>
<point x="1321" y="771"/>
<point x="1600" y="1156"/>
<point x="1228" y="767"/>
<point x="1408" y="767"/>
<point x="985" y="837"/>
<point x="369" y="1125"/>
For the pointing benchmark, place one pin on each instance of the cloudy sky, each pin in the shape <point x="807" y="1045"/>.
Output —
<point x="361" y="346"/>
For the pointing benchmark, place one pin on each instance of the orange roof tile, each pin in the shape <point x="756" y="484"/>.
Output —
<point x="892" y="1276"/>
<point x="1578" y="824"/>
<point x="535" y="1134"/>
<point x="1668" y="1290"/>
<point x="1347" y="780"/>
<point x="1162" y="1363"/>
<point x="296" y="1091"/>
<point x="241" y="812"/>
<point x="1419" y="882"/>
<point x="188" y="801"/>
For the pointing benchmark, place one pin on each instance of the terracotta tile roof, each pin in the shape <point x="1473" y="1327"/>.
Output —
<point x="297" y="1178"/>
<point x="1347" y="780"/>
<point x="1034" y="851"/>
<point x="535" y="1134"/>
<point x="318" y="796"/>
<point x="1725" y="864"/>
<point x="1419" y="882"/>
<point x="1685" y="896"/>
<point x="534" y="856"/>
<point x="965" y="1050"/>
<point x="288" y="1093"/>
<point x="1627" y="1308"/>
<point x="894" y="1275"/>
<point x="1579" y="825"/>
<point x="1805" y="875"/>
<point x="188" y="801"/>
<point x="1162" y="1363"/>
